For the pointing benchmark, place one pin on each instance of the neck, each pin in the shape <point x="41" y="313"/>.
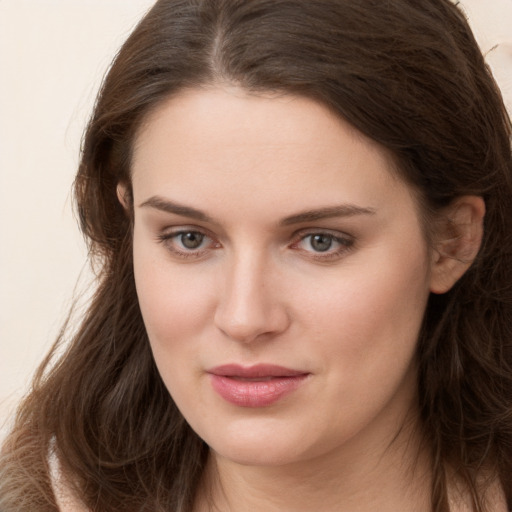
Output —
<point x="361" y="477"/>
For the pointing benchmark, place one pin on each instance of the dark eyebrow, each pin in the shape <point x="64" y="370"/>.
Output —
<point x="167" y="206"/>
<point x="344" y="210"/>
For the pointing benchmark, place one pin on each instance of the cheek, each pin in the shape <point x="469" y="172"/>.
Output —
<point x="174" y="309"/>
<point x="174" y="301"/>
<point x="368" y="318"/>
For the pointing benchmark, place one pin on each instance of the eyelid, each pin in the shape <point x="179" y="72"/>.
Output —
<point x="166" y="236"/>
<point x="345" y="241"/>
<point x="335" y="233"/>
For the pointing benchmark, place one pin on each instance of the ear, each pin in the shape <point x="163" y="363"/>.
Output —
<point x="124" y="196"/>
<point x="457" y="241"/>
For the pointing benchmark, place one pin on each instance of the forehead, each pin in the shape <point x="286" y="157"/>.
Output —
<point x="287" y="149"/>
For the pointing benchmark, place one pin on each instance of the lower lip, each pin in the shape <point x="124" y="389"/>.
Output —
<point x="259" y="393"/>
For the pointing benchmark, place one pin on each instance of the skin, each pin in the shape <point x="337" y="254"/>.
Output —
<point x="257" y="290"/>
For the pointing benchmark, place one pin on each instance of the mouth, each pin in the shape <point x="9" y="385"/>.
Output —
<point x="255" y="386"/>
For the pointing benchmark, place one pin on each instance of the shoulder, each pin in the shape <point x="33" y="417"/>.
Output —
<point x="64" y="496"/>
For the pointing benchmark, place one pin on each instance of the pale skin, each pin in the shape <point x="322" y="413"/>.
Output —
<point x="256" y="290"/>
<point x="267" y="230"/>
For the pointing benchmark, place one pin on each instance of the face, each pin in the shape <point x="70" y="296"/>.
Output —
<point x="282" y="275"/>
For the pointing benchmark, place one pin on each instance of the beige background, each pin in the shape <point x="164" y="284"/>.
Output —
<point x="53" y="54"/>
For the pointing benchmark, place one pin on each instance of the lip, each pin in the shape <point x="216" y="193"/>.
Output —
<point x="255" y="386"/>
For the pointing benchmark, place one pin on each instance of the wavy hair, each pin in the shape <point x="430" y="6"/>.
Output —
<point x="406" y="73"/>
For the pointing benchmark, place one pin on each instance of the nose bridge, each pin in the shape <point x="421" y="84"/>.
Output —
<point x="248" y="306"/>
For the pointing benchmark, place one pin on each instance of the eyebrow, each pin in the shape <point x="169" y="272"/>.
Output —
<point x="159" y="203"/>
<point x="344" y="210"/>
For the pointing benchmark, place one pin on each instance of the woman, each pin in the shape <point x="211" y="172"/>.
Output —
<point x="301" y="212"/>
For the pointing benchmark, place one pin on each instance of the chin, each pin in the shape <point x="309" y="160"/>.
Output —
<point x="269" y="446"/>
<point x="267" y="455"/>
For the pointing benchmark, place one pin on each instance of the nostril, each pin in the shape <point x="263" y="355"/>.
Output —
<point x="249" y="324"/>
<point x="242" y="331"/>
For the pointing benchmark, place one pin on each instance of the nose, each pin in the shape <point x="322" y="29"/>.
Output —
<point x="250" y="306"/>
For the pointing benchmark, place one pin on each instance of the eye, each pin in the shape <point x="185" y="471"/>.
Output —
<point x="191" y="239"/>
<point x="324" y="245"/>
<point x="321" y="242"/>
<point x="187" y="243"/>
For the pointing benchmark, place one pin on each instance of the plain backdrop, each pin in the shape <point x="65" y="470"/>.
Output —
<point x="53" y="55"/>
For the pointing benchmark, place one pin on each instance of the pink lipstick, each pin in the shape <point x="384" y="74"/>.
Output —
<point x="255" y="386"/>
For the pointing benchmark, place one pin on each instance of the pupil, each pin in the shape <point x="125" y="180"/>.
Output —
<point x="191" y="240"/>
<point x="321" y="243"/>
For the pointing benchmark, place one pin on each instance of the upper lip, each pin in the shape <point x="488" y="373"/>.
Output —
<point x="255" y="371"/>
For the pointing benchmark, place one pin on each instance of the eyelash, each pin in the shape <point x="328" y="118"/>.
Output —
<point x="168" y="240"/>
<point x="345" y="244"/>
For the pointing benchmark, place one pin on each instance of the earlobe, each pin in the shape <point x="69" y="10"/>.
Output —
<point x="458" y="241"/>
<point x="123" y="195"/>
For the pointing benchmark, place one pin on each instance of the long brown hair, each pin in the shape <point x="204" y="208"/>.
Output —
<point x="408" y="74"/>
